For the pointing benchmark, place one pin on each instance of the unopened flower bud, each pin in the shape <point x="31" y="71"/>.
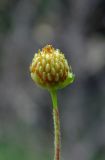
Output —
<point x="50" y="69"/>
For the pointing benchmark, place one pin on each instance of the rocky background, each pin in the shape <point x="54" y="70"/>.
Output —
<point x="77" y="27"/>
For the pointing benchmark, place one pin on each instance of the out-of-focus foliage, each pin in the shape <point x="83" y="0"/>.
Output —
<point x="26" y="128"/>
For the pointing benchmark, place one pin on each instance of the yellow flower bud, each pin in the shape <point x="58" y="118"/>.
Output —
<point x="50" y="69"/>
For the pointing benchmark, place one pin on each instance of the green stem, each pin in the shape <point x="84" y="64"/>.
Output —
<point x="56" y="125"/>
<point x="54" y="98"/>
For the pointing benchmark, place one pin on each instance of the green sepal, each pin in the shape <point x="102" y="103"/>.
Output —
<point x="70" y="78"/>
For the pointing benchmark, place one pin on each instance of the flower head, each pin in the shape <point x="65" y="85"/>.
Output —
<point x="50" y="69"/>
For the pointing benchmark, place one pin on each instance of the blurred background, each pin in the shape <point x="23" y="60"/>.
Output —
<point x="77" y="27"/>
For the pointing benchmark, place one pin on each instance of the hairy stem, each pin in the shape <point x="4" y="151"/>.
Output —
<point x="56" y="126"/>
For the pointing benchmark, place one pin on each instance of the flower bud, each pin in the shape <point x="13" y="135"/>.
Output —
<point x="50" y="69"/>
